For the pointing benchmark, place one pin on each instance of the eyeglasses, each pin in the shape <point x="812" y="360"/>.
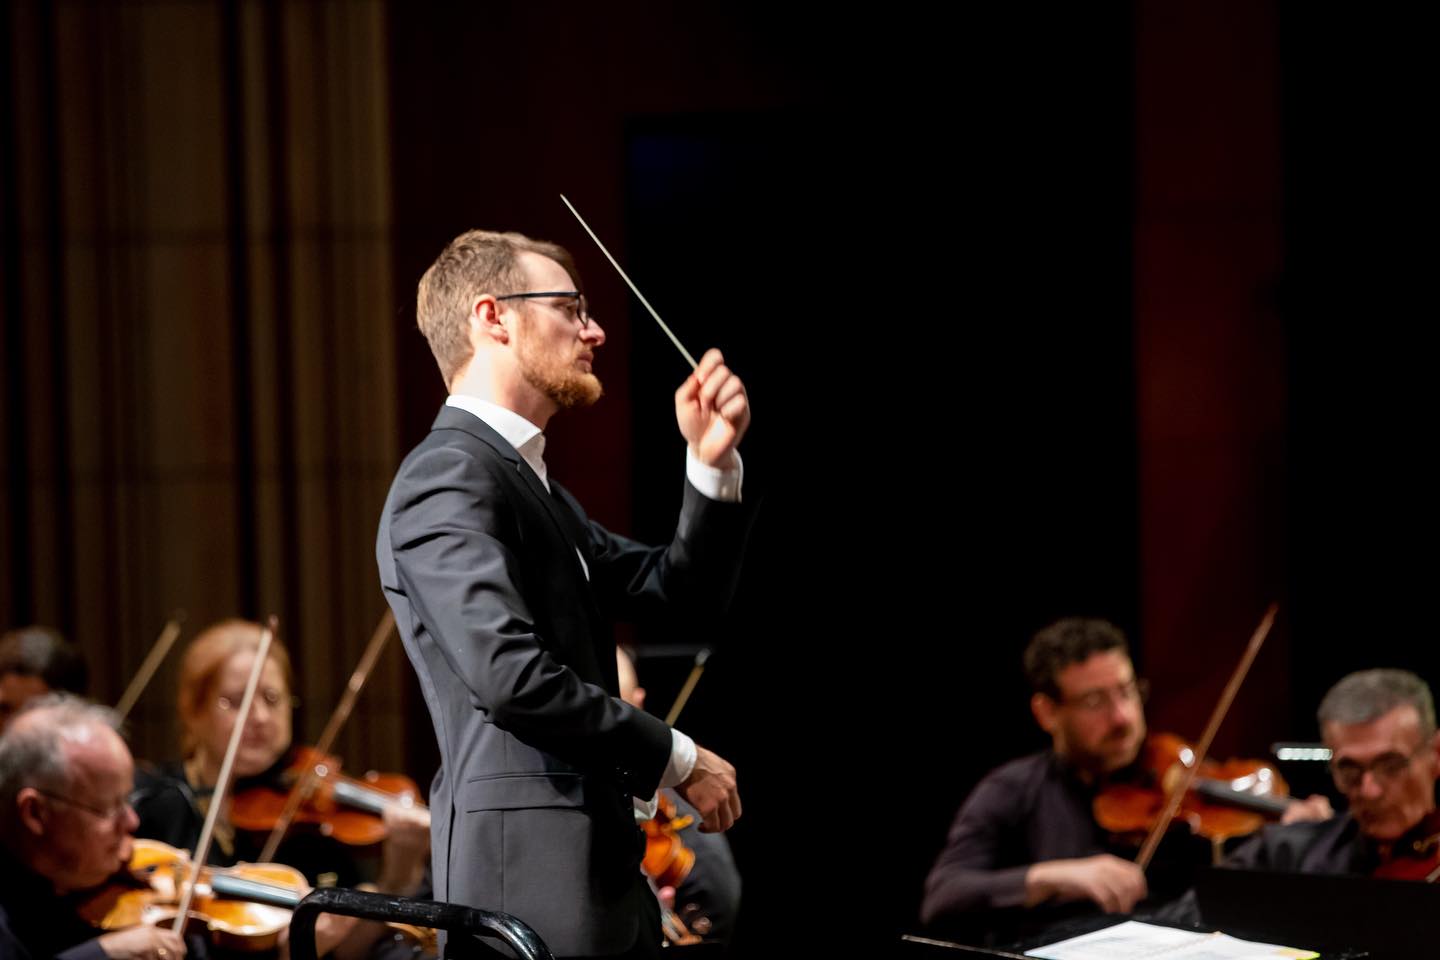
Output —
<point x="117" y="811"/>
<point x="273" y="698"/>
<point x="1386" y="768"/>
<point x="575" y="309"/>
<point x="1094" y="701"/>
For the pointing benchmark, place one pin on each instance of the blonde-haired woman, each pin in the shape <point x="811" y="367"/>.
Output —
<point x="172" y="803"/>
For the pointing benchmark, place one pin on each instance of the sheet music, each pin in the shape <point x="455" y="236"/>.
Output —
<point x="1133" y="940"/>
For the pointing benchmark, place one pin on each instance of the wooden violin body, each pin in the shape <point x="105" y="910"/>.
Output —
<point x="348" y="809"/>
<point x="667" y="860"/>
<point x="1229" y="799"/>
<point x="240" y="908"/>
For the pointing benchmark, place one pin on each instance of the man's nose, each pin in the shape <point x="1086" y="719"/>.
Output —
<point x="593" y="333"/>
<point x="1369" y="786"/>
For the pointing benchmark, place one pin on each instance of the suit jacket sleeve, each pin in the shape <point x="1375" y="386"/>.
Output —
<point x="699" y="569"/>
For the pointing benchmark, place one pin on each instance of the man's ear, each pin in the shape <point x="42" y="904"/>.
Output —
<point x="31" y="806"/>
<point x="488" y="322"/>
<point x="1046" y="712"/>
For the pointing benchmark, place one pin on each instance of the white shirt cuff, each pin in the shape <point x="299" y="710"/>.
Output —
<point x="713" y="482"/>
<point x="682" y="759"/>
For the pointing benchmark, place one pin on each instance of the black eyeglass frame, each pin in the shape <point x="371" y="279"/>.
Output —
<point x="1096" y="700"/>
<point x="582" y="312"/>
<point x="1388" y="767"/>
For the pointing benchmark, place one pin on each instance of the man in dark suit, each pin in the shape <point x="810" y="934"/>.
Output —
<point x="504" y="592"/>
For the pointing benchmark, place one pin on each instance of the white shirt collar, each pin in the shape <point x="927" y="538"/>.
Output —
<point x="524" y="436"/>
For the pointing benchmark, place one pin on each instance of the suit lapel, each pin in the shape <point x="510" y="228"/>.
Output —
<point x="566" y="524"/>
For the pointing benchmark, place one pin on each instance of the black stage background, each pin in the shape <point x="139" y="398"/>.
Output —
<point x="969" y="265"/>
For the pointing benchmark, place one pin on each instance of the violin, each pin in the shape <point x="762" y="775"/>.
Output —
<point x="348" y="809"/>
<point x="667" y="860"/>
<point x="241" y="908"/>
<point x="667" y="863"/>
<point x="1226" y="800"/>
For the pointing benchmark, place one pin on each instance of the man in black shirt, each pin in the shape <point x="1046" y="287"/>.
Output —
<point x="1025" y="851"/>
<point x="65" y="827"/>
<point x="1026" y="836"/>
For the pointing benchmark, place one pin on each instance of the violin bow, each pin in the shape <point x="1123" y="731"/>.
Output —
<point x="168" y="635"/>
<point x="227" y="767"/>
<point x="683" y="697"/>
<point x="631" y="284"/>
<point x="1173" y="797"/>
<point x="306" y="783"/>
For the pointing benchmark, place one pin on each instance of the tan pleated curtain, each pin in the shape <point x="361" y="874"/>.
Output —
<point x="198" y="397"/>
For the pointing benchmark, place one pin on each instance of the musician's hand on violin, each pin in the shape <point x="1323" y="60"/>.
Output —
<point x="1314" y="807"/>
<point x="711" y="790"/>
<point x="407" y="845"/>
<point x="713" y="411"/>
<point x="1115" y="885"/>
<point x="142" y="943"/>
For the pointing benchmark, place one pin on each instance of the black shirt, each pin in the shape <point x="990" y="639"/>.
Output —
<point x="1331" y="847"/>
<point x="36" y="923"/>
<point x="1334" y="846"/>
<point x="1030" y="810"/>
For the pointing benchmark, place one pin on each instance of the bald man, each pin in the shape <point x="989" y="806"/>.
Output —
<point x="66" y="826"/>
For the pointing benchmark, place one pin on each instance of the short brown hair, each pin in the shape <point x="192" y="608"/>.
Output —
<point x="1065" y="642"/>
<point x="200" y="670"/>
<point x="476" y="262"/>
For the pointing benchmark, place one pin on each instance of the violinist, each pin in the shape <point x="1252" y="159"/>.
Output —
<point x="65" y="827"/>
<point x="172" y="805"/>
<point x="1385" y="760"/>
<point x="36" y="660"/>
<point x="1025" y="851"/>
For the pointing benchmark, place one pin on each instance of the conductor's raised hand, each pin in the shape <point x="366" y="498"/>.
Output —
<point x="713" y="411"/>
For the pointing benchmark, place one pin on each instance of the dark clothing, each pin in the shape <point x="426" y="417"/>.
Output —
<point x="1334" y="846"/>
<point x="170" y="812"/>
<point x="35" y="923"/>
<point x="504" y="594"/>
<point x="1030" y="810"/>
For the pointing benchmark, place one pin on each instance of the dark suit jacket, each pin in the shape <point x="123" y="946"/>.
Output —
<point x="531" y="813"/>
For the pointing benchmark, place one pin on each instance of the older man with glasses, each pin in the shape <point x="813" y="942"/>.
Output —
<point x="1385" y="760"/>
<point x="65" y="827"/>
